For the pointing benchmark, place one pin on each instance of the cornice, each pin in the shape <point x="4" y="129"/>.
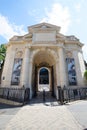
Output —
<point x="40" y="30"/>
<point x="74" y="42"/>
<point x="47" y="45"/>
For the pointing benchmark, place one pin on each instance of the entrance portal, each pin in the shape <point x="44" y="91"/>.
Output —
<point x="43" y="79"/>
<point x="44" y="73"/>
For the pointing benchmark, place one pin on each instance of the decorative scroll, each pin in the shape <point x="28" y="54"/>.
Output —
<point x="16" y="71"/>
<point x="71" y="71"/>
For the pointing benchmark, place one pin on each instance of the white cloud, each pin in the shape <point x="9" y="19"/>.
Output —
<point x="85" y="52"/>
<point x="7" y="29"/>
<point x="58" y="15"/>
<point x="78" y="7"/>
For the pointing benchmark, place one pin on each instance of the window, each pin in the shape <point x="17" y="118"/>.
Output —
<point x="44" y="76"/>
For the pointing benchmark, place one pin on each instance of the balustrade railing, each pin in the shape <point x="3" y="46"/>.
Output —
<point x="68" y="94"/>
<point x="15" y="94"/>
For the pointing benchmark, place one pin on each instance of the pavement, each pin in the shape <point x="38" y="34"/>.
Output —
<point x="7" y="112"/>
<point x="79" y="111"/>
<point x="44" y="116"/>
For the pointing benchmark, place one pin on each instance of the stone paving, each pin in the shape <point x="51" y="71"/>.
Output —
<point x="7" y="112"/>
<point x="48" y="115"/>
<point x="43" y="116"/>
<point x="79" y="111"/>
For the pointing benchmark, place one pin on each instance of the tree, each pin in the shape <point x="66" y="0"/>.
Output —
<point x="2" y="54"/>
<point x="85" y="74"/>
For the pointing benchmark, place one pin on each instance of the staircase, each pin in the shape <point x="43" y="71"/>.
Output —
<point x="47" y="101"/>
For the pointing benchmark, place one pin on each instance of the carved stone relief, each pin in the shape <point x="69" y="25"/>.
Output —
<point x="19" y="54"/>
<point x="69" y="54"/>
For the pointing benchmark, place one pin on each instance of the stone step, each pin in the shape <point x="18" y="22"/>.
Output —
<point x="49" y="100"/>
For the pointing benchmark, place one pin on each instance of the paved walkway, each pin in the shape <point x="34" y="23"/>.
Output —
<point x="79" y="111"/>
<point x="43" y="117"/>
<point x="7" y="112"/>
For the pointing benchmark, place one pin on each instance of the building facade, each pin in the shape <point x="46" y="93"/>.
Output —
<point x="43" y="59"/>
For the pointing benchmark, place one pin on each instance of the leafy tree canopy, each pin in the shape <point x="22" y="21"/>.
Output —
<point x="2" y="54"/>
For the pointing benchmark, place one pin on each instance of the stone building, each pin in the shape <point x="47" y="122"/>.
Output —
<point x="43" y="59"/>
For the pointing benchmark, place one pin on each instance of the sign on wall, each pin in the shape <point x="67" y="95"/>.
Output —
<point x="71" y="71"/>
<point x="16" y="71"/>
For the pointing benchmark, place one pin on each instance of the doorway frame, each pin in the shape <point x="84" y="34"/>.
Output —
<point x="42" y="87"/>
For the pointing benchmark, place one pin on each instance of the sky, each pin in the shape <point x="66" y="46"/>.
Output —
<point x="70" y="15"/>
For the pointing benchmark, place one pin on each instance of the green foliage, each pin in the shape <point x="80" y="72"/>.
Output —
<point x="85" y="74"/>
<point x="2" y="54"/>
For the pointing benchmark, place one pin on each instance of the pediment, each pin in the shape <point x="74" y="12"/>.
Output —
<point x="43" y="26"/>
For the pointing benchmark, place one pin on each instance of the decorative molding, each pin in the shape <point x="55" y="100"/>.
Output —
<point x="19" y="54"/>
<point x="40" y="26"/>
<point x="69" y="54"/>
<point x="16" y="38"/>
<point x="72" y="38"/>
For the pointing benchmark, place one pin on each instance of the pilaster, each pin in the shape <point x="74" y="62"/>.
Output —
<point x="57" y="73"/>
<point x="62" y="67"/>
<point x="80" y="68"/>
<point x="30" y="76"/>
<point x="25" y="71"/>
<point x="7" y="71"/>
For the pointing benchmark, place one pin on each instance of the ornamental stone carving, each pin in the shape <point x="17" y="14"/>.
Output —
<point x="19" y="54"/>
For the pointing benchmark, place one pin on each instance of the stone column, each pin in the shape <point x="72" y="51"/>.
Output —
<point x="57" y="74"/>
<point x="25" y="72"/>
<point x="62" y="67"/>
<point x="30" y="76"/>
<point x="57" y="78"/>
<point x="80" y="68"/>
<point x="8" y="67"/>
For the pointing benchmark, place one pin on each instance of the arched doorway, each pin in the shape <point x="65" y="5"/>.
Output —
<point x="44" y="79"/>
<point x="44" y="73"/>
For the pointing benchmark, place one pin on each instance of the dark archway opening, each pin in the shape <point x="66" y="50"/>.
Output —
<point x="43" y="76"/>
<point x="43" y="73"/>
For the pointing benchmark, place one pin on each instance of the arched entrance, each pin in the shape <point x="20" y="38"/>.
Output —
<point x="44" y="79"/>
<point x="44" y="73"/>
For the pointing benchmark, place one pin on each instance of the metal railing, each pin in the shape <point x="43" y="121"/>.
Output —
<point x="68" y="94"/>
<point x="15" y="94"/>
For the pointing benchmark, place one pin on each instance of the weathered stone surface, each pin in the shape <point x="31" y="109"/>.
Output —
<point x="43" y="46"/>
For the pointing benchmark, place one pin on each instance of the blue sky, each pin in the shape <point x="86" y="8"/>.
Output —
<point x="17" y="15"/>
